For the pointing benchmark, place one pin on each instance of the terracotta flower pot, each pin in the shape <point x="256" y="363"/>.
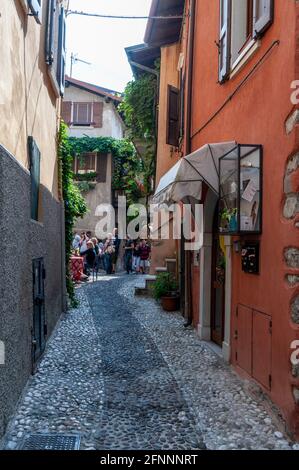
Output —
<point x="170" y="303"/>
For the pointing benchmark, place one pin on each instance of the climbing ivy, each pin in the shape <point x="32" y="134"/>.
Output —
<point x="126" y="163"/>
<point x="75" y="205"/>
<point x="139" y="112"/>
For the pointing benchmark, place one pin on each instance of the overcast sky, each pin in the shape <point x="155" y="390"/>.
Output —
<point x="102" y="41"/>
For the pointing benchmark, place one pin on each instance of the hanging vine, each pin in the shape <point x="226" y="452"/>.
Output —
<point x="74" y="203"/>
<point x="127" y="166"/>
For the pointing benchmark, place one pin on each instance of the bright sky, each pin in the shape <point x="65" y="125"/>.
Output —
<point x="102" y="41"/>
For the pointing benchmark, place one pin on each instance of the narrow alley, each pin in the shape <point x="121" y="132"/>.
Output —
<point x="122" y="373"/>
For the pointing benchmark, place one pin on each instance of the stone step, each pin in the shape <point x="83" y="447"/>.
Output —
<point x="150" y="281"/>
<point x="161" y="269"/>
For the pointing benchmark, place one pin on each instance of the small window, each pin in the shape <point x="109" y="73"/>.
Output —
<point x="36" y="9"/>
<point x="34" y="158"/>
<point x="82" y="114"/>
<point x="86" y="163"/>
<point x="173" y="120"/>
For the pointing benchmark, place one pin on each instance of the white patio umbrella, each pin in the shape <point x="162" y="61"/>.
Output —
<point x="185" y="178"/>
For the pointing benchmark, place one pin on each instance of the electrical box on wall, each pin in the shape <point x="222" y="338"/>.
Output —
<point x="251" y="257"/>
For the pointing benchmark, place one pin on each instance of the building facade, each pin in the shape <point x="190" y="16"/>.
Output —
<point x="240" y="62"/>
<point x="31" y="211"/>
<point x="91" y="111"/>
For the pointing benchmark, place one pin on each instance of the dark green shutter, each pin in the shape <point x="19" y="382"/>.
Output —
<point x="173" y="124"/>
<point x="34" y="155"/>
<point x="61" y="52"/>
<point x="50" y="49"/>
<point x="36" y="9"/>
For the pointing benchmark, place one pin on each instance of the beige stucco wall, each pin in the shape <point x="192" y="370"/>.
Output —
<point x="29" y="105"/>
<point x="167" y="155"/>
<point x="112" y="123"/>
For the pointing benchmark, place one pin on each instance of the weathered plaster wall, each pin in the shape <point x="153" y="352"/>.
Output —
<point x="26" y="91"/>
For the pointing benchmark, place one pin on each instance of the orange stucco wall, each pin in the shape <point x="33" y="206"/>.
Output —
<point x="257" y="115"/>
<point x="167" y="155"/>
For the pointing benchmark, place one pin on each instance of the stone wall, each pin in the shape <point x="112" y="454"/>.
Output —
<point x="22" y="240"/>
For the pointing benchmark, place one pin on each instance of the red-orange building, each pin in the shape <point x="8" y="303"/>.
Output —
<point x="239" y="63"/>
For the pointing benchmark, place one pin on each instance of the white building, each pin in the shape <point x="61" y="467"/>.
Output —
<point x="90" y="110"/>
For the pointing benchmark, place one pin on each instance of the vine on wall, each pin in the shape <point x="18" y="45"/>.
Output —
<point x="74" y="202"/>
<point x="127" y="165"/>
<point x="139" y="111"/>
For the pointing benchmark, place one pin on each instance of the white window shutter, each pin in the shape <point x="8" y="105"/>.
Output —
<point x="224" y="39"/>
<point x="36" y="9"/>
<point x="263" y="13"/>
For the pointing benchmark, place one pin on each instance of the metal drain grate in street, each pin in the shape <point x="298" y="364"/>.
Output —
<point x="51" y="442"/>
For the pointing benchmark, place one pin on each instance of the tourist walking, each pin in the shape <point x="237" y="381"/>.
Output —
<point x="144" y="256"/>
<point x="136" y="257"/>
<point x="129" y="247"/>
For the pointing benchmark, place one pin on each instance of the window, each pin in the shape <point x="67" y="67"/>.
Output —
<point x="91" y="163"/>
<point x="82" y="114"/>
<point x="36" y="9"/>
<point x="240" y="22"/>
<point x="242" y="26"/>
<point x="240" y="184"/>
<point x="34" y="159"/>
<point x="173" y="118"/>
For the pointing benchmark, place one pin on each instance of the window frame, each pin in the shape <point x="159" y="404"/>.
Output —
<point x="76" y="122"/>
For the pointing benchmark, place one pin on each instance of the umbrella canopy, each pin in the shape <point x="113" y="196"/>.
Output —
<point x="185" y="178"/>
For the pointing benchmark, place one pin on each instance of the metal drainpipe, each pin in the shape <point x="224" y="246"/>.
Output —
<point x="188" y="141"/>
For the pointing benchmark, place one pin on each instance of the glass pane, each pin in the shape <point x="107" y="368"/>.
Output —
<point x="229" y="173"/>
<point x="250" y="192"/>
<point x="228" y="192"/>
<point x="259" y="9"/>
<point x="240" y="13"/>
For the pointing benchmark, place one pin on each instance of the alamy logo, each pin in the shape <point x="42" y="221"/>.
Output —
<point x="159" y="221"/>
<point x="2" y="353"/>
<point x="295" y="354"/>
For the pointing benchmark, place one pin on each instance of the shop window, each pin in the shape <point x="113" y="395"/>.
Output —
<point x="240" y="186"/>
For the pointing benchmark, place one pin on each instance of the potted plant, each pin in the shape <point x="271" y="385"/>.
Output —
<point x="166" y="290"/>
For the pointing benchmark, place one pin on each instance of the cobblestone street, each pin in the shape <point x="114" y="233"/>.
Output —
<point x="126" y="375"/>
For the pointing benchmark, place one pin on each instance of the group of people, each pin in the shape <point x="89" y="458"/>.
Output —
<point x="103" y="254"/>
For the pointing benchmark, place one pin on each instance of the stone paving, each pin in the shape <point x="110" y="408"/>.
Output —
<point x="126" y="375"/>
